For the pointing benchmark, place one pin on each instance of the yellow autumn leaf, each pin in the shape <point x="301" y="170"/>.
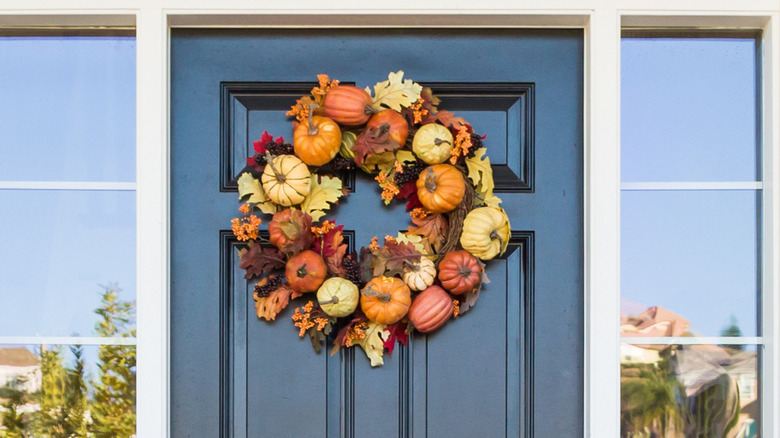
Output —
<point x="403" y="157"/>
<point x="395" y="92"/>
<point x="373" y="344"/>
<point x="481" y="174"/>
<point x="251" y="191"/>
<point x="415" y="240"/>
<point x="324" y="191"/>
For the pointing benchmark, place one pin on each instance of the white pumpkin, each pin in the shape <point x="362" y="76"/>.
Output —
<point x="486" y="232"/>
<point x="338" y="296"/>
<point x="286" y="180"/>
<point x="433" y="143"/>
<point x="420" y="275"/>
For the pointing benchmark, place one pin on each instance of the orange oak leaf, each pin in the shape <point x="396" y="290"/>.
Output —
<point x="270" y="306"/>
<point x="433" y="229"/>
<point x="449" y="119"/>
<point x="258" y="260"/>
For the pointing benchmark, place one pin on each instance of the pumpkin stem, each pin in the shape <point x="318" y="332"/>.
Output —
<point x="301" y="272"/>
<point x="312" y="127"/>
<point x="382" y="129"/>
<point x="381" y="296"/>
<point x="439" y="141"/>
<point x="278" y="175"/>
<point x="465" y="272"/>
<point x="333" y="300"/>
<point x="430" y="180"/>
<point x="494" y="235"/>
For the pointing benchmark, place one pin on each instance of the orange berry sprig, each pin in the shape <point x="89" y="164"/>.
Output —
<point x="246" y="228"/>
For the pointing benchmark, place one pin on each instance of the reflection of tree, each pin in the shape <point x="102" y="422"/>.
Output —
<point x="732" y="331"/>
<point x="649" y="407"/>
<point x="113" y="407"/>
<point x="49" y="421"/>
<point x="14" y="422"/>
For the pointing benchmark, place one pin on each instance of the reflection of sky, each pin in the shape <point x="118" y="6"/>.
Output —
<point x="688" y="114"/>
<point x="67" y="113"/>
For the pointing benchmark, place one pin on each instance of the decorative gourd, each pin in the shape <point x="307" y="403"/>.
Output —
<point x="420" y="275"/>
<point x="316" y="140"/>
<point x="385" y="300"/>
<point x="348" y="105"/>
<point x="485" y="232"/>
<point x="431" y="309"/>
<point x="440" y="188"/>
<point x="432" y="143"/>
<point x="460" y="272"/>
<point x="338" y="296"/>
<point x="391" y="122"/>
<point x="286" y="180"/>
<point x="347" y="142"/>
<point x="306" y="271"/>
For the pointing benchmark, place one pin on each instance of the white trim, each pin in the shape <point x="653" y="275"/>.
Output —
<point x="64" y="340"/>
<point x="770" y="300"/>
<point x="692" y="185"/>
<point x="152" y="151"/>
<point x="602" y="225"/>
<point x="692" y="340"/>
<point x="67" y="185"/>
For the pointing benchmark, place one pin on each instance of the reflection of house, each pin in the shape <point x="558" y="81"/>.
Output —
<point x="655" y="321"/>
<point x="21" y="368"/>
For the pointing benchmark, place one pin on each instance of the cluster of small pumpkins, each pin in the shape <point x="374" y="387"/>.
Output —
<point x="344" y="118"/>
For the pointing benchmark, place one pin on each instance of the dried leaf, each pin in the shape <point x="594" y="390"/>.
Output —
<point x="341" y="336"/>
<point x="391" y="259"/>
<point x="404" y="156"/>
<point x="471" y="297"/>
<point x="396" y="92"/>
<point x="393" y="333"/>
<point x="481" y="174"/>
<point x="373" y="344"/>
<point x="408" y="189"/>
<point x="332" y="249"/>
<point x="297" y="229"/>
<point x="258" y="260"/>
<point x="374" y="141"/>
<point x="367" y="262"/>
<point x="325" y="190"/>
<point x="416" y="241"/>
<point x="251" y="191"/>
<point x="270" y="306"/>
<point x="433" y="229"/>
<point x="449" y="119"/>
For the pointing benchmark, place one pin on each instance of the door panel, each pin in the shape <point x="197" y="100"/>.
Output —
<point x="512" y="366"/>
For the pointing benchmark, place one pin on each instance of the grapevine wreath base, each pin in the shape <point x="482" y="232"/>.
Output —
<point x="418" y="153"/>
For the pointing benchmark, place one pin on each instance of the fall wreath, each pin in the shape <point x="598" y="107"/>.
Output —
<point x="416" y="280"/>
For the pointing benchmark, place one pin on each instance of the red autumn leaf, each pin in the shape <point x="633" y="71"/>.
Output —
<point x="397" y="333"/>
<point x="409" y="189"/>
<point x="413" y="202"/>
<point x="270" y="306"/>
<point x="328" y="244"/>
<point x="433" y="229"/>
<point x="279" y="140"/>
<point x="341" y="336"/>
<point x="373" y="141"/>
<point x="258" y="260"/>
<point x="260" y="144"/>
<point x="450" y="120"/>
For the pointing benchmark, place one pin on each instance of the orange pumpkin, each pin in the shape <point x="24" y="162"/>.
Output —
<point x="385" y="300"/>
<point x="287" y="226"/>
<point x="317" y="140"/>
<point x="348" y="105"/>
<point x="391" y="122"/>
<point x="440" y="188"/>
<point x="431" y="309"/>
<point x="306" y="271"/>
<point x="460" y="272"/>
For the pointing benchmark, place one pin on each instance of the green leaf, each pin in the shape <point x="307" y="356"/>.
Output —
<point x="373" y="344"/>
<point x="251" y="191"/>
<point x="481" y="174"/>
<point x="325" y="190"/>
<point x="395" y="92"/>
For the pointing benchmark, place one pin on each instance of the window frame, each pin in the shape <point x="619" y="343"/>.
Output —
<point x="601" y="21"/>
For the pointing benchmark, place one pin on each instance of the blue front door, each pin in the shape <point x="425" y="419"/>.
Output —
<point x="510" y="367"/>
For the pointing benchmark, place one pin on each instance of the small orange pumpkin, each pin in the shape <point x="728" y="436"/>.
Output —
<point x="385" y="300"/>
<point x="287" y="226"/>
<point x="460" y="272"/>
<point x="317" y="140"/>
<point x="431" y="309"/>
<point x="348" y="105"/>
<point x="440" y="188"/>
<point x="306" y="271"/>
<point x="391" y="122"/>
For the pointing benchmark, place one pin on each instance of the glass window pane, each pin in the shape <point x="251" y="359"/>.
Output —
<point x="60" y="247"/>
<point x="682" y="391"/>
<point x="42" y="389"/>
<point x="692" y="254"/>
<point x="67" y="111"/>
<point x="688" y="109"/>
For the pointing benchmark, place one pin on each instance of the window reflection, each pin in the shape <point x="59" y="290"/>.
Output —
<point x="689" y="391"/>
